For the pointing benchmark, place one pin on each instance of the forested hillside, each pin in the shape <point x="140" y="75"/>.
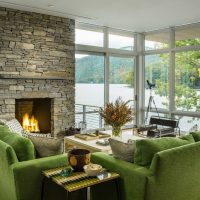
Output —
<point x="90" y="69"/>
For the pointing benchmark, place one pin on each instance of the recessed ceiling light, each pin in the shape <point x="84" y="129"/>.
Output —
<point x="50" y="6"/>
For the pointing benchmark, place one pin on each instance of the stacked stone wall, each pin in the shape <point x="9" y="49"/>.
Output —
<point x="37" y="60"/>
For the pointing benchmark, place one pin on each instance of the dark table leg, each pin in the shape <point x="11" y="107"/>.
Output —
<point x="42" y="191"/>
<point x="117" y="185"/>
<point x="72" y="195"/>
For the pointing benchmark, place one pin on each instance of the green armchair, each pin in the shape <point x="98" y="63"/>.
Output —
<point x="20" y="172"/>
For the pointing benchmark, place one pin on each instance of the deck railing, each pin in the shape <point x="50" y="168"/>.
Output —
<point x="88" y="116"/>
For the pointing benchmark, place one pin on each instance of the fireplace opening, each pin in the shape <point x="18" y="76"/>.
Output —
<point x="34" y="114"/>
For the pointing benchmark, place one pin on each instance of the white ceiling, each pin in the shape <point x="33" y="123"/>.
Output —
<point x="133" y="15"/>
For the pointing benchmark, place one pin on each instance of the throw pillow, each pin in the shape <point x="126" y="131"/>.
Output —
<point x="145" y="149"/>
<point x="45" y="146"/>
<point x="188" y="137"/>
<point x="121" y="150"/>
<point x="15" y="126"/>
<point x="196" y="136"/>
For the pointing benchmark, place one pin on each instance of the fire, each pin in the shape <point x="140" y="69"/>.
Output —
<point x="30" y="123"/>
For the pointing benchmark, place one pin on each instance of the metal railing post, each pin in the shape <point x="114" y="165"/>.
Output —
<point x="100" y="120"/>
<point x="84" y="113"/>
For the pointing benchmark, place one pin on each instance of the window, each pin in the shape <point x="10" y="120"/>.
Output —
<point x="158" y="40"/>
<point x="187" y="76"/>
<point x="121" y="78"/>
<point x="156" y="72"/>
<point x="89" y="92"/>
<point x="121" y="42"/>
<point x="89" y="79"/>
<point x="187" y="123"/>
<point x="88" y="37"/>
<point x="188" y="36"/>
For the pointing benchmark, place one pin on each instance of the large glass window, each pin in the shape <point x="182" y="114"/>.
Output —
<point x="188" y="36"/>
<point x="89" y="92"/>
<point x="89" y="79"/>
<point x="121" y="78"/>
<point x="121" y="42"/>
<point x="87" y="37"/>
<point x="187" y="76"/>
<point x="158" y="40"/>
<point x="156" y="72"/>
<point x="187" y="123"/>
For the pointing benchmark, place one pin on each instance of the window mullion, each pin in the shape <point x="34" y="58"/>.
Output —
<point x="171" y="77"/>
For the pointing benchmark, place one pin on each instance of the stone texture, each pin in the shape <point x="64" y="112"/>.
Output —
<point x="37" y="61"/>
<point x="21" y="45"/>
<point x="16" y="87"/>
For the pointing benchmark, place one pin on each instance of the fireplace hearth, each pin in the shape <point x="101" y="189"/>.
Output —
<point x="34" y="114"/>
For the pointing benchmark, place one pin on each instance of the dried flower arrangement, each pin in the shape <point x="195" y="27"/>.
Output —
<point x="117" y="114"/>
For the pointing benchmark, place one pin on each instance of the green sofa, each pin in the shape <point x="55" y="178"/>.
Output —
<point x="20" y="173"/>
<point x="164" y="169"/>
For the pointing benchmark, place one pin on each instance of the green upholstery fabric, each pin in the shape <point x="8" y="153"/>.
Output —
<point x="176" y="174"/>
<point x="196" y="136"/>
<point x="28" y="175"/>
<point x="23" y="180"/>
<point x="132" y="178"/>
<point x="146" y="149"/>
<point x="7" y="158"/>
<point x="23" y="147"/>
<point x="188" y="137"/>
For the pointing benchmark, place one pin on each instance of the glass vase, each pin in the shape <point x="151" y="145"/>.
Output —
<point x="116" y="132"/>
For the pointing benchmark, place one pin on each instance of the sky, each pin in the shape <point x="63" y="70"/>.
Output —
<point x="93" y="38"/>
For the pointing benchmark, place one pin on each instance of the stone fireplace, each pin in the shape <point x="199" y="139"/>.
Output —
<point x="37" y="63"/>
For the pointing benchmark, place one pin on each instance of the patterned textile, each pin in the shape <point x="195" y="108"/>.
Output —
<point x="44" y="135"/>
<point x="15" y="126"/>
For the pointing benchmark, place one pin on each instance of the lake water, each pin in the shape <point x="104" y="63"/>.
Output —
<point x="93" y="95"/>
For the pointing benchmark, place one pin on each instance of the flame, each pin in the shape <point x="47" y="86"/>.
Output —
<point x="30" y="123"/>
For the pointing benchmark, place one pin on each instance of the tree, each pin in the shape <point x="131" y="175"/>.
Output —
<point x="187" y="77"/>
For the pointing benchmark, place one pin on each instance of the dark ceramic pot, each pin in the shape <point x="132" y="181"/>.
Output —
<point x="78" y="158"/>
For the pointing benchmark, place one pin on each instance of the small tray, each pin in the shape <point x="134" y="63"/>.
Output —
<point x="92" y="136"/>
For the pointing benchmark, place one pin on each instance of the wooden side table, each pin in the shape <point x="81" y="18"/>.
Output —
<point x="79" y="180"/>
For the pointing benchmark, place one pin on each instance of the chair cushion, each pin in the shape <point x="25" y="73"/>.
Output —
<point x="145" y="149"/>
<point x="122" y="150"/>
<point x="23" y="147"/>
<point x="46" y="146"/>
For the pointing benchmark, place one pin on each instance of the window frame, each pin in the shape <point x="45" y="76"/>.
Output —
<point x="138" y="54"/>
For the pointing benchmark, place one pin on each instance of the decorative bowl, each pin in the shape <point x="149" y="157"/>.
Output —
<point x="92" y="169"/>
<point x="78" y="158"/>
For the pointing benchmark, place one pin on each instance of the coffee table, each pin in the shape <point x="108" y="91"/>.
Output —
<point x="73" y="142"/>
<point x="78" y="180"/>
